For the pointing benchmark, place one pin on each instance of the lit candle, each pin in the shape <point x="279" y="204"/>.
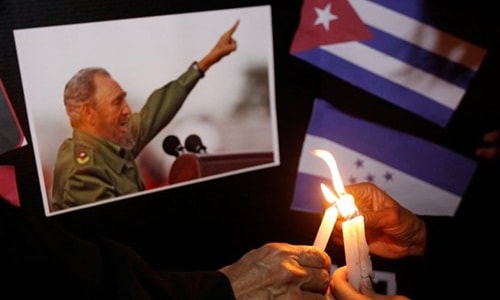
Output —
<point x="357" y="256"/>
<point x="331" y="213"/>
<point x="359" y="266"/>
<point x="329" y="219"/>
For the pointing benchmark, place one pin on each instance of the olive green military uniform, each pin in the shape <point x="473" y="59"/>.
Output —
<point x="90" y="168"/>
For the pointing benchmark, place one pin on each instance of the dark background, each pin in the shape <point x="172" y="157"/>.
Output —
<point x="210" y="224"/>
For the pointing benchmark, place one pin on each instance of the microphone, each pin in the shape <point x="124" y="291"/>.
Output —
<point x="193" y="144"/>
<point x="172" y="145"/>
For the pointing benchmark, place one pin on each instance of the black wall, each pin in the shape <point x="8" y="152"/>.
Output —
<point x="209" y="224"/>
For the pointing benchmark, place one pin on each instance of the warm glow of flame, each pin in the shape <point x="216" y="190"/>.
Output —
<point x="338" y="186"/>
<point x="346" y="206"/>
<point x="329" y="195"/>
<point x="339" y="197"/>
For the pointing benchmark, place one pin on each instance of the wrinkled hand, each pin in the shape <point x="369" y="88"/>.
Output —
<point x="392" y="231"/>
<point x="340" y="289"/>
<point x="280" y="271"/>
<point x="491" y="149"/>
<point x="225" y="45"/>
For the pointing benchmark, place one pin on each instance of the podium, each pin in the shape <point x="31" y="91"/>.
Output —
<point x="191" y="166"/>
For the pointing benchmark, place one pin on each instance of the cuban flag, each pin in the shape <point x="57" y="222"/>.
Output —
<point x="424" y="177"/>
<point x="389" y="48"/>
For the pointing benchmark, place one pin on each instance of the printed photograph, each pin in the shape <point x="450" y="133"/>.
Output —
<point x="122" y="108"/>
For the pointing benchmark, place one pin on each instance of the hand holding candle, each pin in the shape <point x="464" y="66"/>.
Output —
<point x="359" y="266"/>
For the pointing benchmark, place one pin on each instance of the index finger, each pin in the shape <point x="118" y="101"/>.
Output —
<point x="233" y="28"/>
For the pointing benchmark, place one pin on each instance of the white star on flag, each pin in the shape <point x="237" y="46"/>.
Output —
<point x="324" y="16"/>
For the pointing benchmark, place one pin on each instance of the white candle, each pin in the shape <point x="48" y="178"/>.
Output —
<point x="359" y="266"/>
<point x="329" y="219"/>
<point x="357" y="255"/>
<point x="326" y="227"/>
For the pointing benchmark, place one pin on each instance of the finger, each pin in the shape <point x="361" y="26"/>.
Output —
<point x="363" y="194"/>
<point x="488" y="152"/>
<point x="293" y="293"/>
<point x="378" y="219"/>
<point x="233" y="28"/>
<point x="315" y="296"/>
<point x="233" y="43"/>
<point x="317" y="280"/>
<point x="340" y="288"/>
<point x="312" y="257"/>
<point x="316" y="265"/>
<point x="366" y="286"/>
<point x="492" y="137"/>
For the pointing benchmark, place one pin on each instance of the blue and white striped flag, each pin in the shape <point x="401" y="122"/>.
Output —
<point x="389" y="48"/>
<point x="424" y="177"/>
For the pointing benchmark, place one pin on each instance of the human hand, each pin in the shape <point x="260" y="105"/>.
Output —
<point x="392" y="231"/>
<point x="340" y="289"/>
<point x="491" y="148"/>
<point x="224" y="46"/>
<point x="280" y="271"/>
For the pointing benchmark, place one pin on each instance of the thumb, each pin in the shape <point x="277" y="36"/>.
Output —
<point x="366" y="286"/>
<point x="375" y="219"/>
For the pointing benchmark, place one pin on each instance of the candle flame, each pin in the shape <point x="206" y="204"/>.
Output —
<point x="346" y="206"/>
<point x="332" y="164"/>
<point x="329" y="195"/>
<point x="339" y="197"/>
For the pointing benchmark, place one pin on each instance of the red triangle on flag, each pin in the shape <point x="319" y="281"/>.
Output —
<point x="344" y="25"/>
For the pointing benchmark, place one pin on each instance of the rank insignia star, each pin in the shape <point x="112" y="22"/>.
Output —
<point x="82" y="157"/>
